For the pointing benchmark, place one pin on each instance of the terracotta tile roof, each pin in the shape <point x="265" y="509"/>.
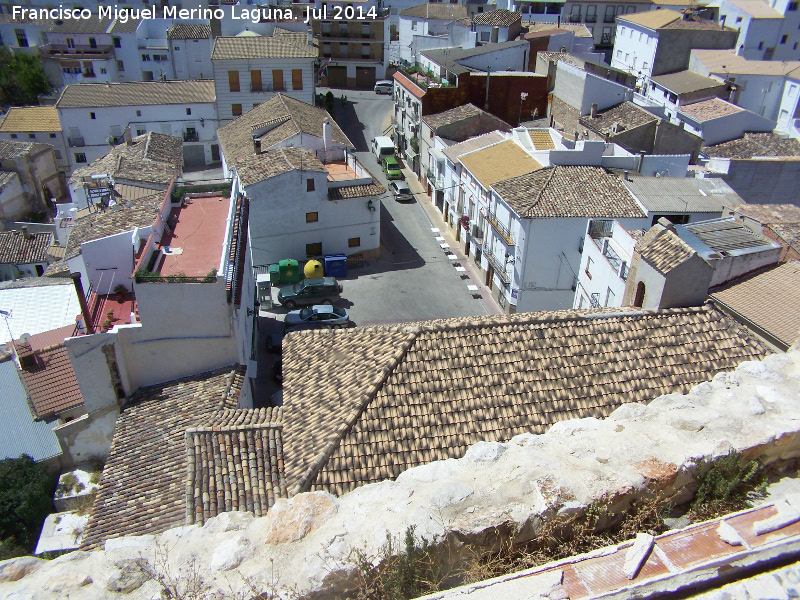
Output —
<point x="568" y="192"/>
<point x="542" y="140"/>
<point x="87" y="95"/>
<point x="277" y="162"/>
<point x="143" y="489"/>
<point x="54" y="337"/>
<point x="727" y="62"/>
<point x="31" y="118"/>
<point x="663" y="249"/>
<point x="15" y="249"/>
<point x="499" y="17"/>
<point x="59" y="268"/>
<point x="151" y="158"/>
<point x="697" y="24"/>
<point x="129" y="27"/>
<point x="789" y="233"/>
<point x="670" y="19"/>
<point x="278" y="118"/>
<point x="626" y="115"/>
<point x="769" y="299"/>
<point x="454" y="115"/>
<point x="714" y="108"/>
<point x="10" y="149"/>
<point x="767" y="214"/>
<point x="141" y="213"/>
<point x="189" y="31"/>
<point x="579" y="29"/>
<point x="362" y="405"/>
<point x="556" y="57"/>
<point x="93" y="24"/>
<point x="51" y="383"/>
<point x="482" y="141"/>
<point x="356" y="191"/>
<point x="233" y="468"/>
<point x="232" y="48"/>
<point x="499" y="162"/>
<point x="437" y="10"/>
<point x="756" y="145"/>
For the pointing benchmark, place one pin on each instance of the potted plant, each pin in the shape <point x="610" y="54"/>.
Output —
<point x="120" y="291"/>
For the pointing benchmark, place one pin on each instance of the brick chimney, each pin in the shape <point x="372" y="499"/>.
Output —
<point x="128" y="137"/>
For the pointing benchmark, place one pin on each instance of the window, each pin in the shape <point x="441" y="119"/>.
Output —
<point x="326" y="49"/>
<point x="738" y="19"/>
<point x="70" y="43"/>
<point x="53" y="135"/>
<point x="588" y="268"/>
<point x="188" y="110"/>
<point x="233" y="81"/>
<point x="277" y="80"/>
<point x="610" y="297"/>
<point x="13" y="136"/>
<point x="22" y="38"/>
<point x="413" y="25"/>
<point x="784" y="39"/>
<point x="619" y="54"/>
<point x="92" y="115"/>
<point x="255" y="81"/>
<point x="80" y="157"/>
<point x="309" y="185"/>
<point x="353" y="242"/>
<point x="792" y="6"/>
<point x="485" y="36"/>
<point x="145" y="58"/>
<point x="343" y="50"/>
<point x="364" y="50"/>
<point x="760" y="45"/>
<point x="591" y="13"/>
<point x="236" y="110"/>
<point x="32" y="136"/>
<point x="103" y="71"/>
<point x="58" y="154"/>
<point x="645" y="66"/>
<point x="120" y="65"/>
<point x="138" y="113"/>
<point x="297" y="79"/>
<point x="312" y="217"/>
<point x="117" y="42"/>
<point x="313" y="250"/>
<point x="141" y="131"/>
<point x="795" y="46"/>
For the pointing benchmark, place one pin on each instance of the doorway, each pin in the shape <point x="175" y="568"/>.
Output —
<point x="489" y="277"/>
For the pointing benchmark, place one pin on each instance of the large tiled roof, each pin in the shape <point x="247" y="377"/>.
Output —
<point x="276" y="162"/>
<point x="30" y="118"/>
<point x="143" y="489"/>
<point x="16" y="249"/>
<point x="682" y="194"/>
<point x="499" y="17"/>
<point x="283" y="117"/>
<point x="10" y="149"/>
<point x="476" y="143"/>
<point x="189" y="31"/>
<point x="767" y="214"/>
<point x="498" y="162"/>
<point x="362" y="405"/>
<point x="356" y="191"/>
<point x="579" y="29"/>
<point x="769" y="299"/>
<point x="756" y="9"/>
<point x="51" y="382"/>
<point x="710" y="109"/>
<point x="756" y="145"/>
<point x="568" y="192"/>
<point x="669" y="19"/>
<point x="88" y="95"/>
<point x="454" y="115"/>
<point x="93" y="24"/>
<point x="727" y="62"/>
<point x="231" y="48"/>
<point x="435" y="11"/>
<point x="663" y="249"/>
<point x="684" y="82"/>
<point x="141" y="212"/>
<point x="626" y="115"/>
<point x="556" y="57"/>
<point x="151" y="158"/>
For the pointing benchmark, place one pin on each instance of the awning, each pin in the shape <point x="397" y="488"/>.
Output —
<point x="410" y="154"/>
<point x="437" y="155"/>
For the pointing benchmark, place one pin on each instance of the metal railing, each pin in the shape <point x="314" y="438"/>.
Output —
<point x="574" y="19"/>
<point x="86" y="50"/>
<point x="477" y="234"/>
<point x="591" y="18"/>
<point x="191" y="136"/>
<point x="601" y="229"/>
<point x="499" y="269"/>
<point x="608" y="19"/>
<point x="503" y="232"/>
<point x="594" y="300"/>
<point x="436" y="181"/>
<point x="76" y="142"/>
<point x="115" y="139"/>
<point x="612" y="257"/>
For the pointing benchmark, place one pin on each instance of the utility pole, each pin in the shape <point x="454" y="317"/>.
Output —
<point x="486" y="99"/>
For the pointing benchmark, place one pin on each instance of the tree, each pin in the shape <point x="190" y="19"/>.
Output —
<point x="22" y="79"/>
<point x="26" y="498"/>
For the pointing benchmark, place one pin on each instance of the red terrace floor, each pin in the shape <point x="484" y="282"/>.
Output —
<point x="100" y="305"/>
<point x="198" y="230"/>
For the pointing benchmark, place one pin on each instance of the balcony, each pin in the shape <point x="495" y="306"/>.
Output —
<point x="499" y="269"/>
<point x="608" y="19"/>
<point x="264" y="87"/>
<point x="436" y="181"/>
<point x="591" y="18"/>
<point x="55" y="50"/>
<point x="114" y="140"/>
<point x="191" y="136"/>
<point x="477" y="234"/>
<point x="574" y="18"/>
<point x="594" y="300"/>
<point x="502" y="231"/>
<point x="347" y="36"/>
<point x="153" y="44"/>
<point x="600" y="230"/>
<point x="76" y="142"/>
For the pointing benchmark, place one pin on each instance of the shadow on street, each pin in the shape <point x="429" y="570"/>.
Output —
<point x="346" y="117"/>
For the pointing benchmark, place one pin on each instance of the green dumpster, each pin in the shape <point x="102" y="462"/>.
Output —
<point x="289" y="270"/>
<point x="274" y="274"/>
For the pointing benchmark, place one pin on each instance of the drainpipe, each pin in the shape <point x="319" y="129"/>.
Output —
<point x="87" y="318"/>
<point x="486" y="99"/>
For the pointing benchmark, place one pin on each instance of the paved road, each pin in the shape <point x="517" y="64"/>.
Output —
<point x="413" y="280"/>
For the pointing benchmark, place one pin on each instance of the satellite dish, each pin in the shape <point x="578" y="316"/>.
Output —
<point x="24" y="338"/>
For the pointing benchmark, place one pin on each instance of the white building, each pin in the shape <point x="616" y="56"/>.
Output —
<point x="96" y="116"/>
<point x="759" y="27"/>
<point x="36" y="124"/>
<point x="678" y="89"/>
<point x="718" y="121"/>
<point x="408" y="93"/>
<point x="190" y="46"/>
<point x="789" y="41"/>
<point x="426" y="26"/>
<point x="249" y="70"/>
<point x="308" y="195"/>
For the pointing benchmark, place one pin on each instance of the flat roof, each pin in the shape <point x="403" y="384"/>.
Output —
<point x="684" y="82"/>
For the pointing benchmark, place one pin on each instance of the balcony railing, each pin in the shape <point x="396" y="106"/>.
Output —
<point x="598" y="230"/>
<point x="502" y="231"/>
<point x="608" y="19"/>
<point x="477" y="234"/>
<point x="76" y="142"/>
<point x="191" y="136"/>
<point x="115" y="140"/>
<point x="81" y="50"/>
<point x="594" y="300"/>
<point x="499" y="269"/>
<point x="264" y="87"/>
<point x="591" y="18"/>
<point x="437" y="182"/>
<point x="612" y="257"/>
<point x="574" y="18"/>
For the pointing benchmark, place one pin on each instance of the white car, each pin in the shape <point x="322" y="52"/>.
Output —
<point x="384" y="87"/>
<point x="401" y="191"/>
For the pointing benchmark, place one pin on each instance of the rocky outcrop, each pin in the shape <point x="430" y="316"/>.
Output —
<point x="308" y="543"/>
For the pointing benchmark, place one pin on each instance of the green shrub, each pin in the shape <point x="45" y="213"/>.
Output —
<point x="26" y="491"/>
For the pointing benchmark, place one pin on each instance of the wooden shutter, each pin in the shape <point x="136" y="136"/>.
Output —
<point x="255" y="81"/>
<point x="233" y="81"/>
<point x="297" y="79"/>
<point x="277" y="79"/>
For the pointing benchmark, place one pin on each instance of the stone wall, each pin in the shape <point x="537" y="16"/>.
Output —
<point x="307" y="543"/>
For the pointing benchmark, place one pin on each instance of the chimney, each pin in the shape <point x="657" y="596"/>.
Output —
<point x="594" y="110"/>
<point x="681" y="124"/>
<point x="327" y="141"/>
<point x="310" y="37"/>
<point x="641" y="160"/>
<point x="87" y="318"/>
<point x="666" y="224"/>
<point x="257" y="145"/>
<point x="486" y="99"/>
<point x="577" y="135"/>
<point x="25" y="233"/>
<point x="25" y="355"/>
<point x="128" y="138"/>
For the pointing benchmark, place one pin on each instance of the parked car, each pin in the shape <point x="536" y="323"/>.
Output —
<point x="392" y="168"/>
<point x="316" y="290"/>
<point x="383" y="87"/>
<point x="401" y="191"/>
<point x="321" y="313"/>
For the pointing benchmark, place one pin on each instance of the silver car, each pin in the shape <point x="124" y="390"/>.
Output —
<point x="401" y="191"/>
<point x="324" y="314"/>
